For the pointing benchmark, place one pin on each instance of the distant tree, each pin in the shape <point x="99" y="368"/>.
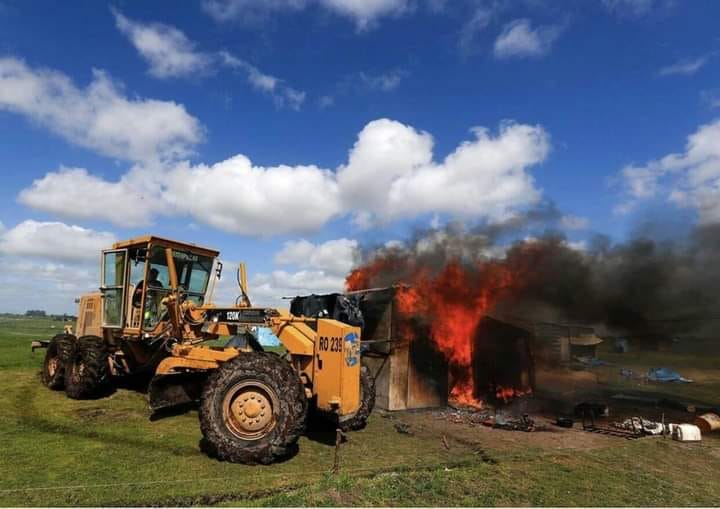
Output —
<point x="35" y="313"/>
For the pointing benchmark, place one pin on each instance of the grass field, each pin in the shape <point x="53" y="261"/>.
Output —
<point x="56" y="451"/>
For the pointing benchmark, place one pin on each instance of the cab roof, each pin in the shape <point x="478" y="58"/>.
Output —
<point x="160" y="241"/>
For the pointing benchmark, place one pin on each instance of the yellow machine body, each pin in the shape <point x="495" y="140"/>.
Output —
<point x="337" y="367"/>
<point x="324" y="352"/>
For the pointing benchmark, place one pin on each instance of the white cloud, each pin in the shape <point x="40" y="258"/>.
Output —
<point x="39" y="284"/>
<point x="633" y="7"/>
<point x="385" y="82"/>
<point x="571" y="222"/>
<point x="254" y="200"/>
<point x="99" y="117"/>
<point x="326" y="101"/>
<point x="249" y="10"/>
<point x="168" y="51"/>
<point x="688" y="179"/>
<point x="685" y="67"/>
<point x="394" y="244"/>
<point x="391" y="173"/>
<point x="53" y="240"/>
<point x="364" y="12"/>
<point x="711" y="98"/>
<point x="269" y="288"/>
<point x="75" y="193"/>
<point x="336" y="257"/>
<point x="518" y="39"/>
<point x="283" y="95"/>
<point x="479" y="20"/>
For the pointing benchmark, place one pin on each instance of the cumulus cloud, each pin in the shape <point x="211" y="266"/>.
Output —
<point x="75" y="193"/>
<point x="98" y="117"/>
<point x="335" y="257"/>
<point x="54" y="240"/>
<point x="684" y="67"/>
<point x="688" y="179"/>
<point x="519" y="39"/>
<point x="252" y="199"/>
<point x="391" y="173"/>
<point x="363" y="12"/>
<point x="268" y="289"/>
<point x="168" y="51"/>
<point x="41" y="284"/>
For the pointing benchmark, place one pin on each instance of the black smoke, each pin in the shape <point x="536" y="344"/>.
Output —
<point x="643" y="287"/>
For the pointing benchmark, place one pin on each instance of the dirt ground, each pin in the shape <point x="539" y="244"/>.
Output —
<point x="431" y="423"/>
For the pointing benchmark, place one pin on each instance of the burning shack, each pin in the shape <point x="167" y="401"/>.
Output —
<point x="409" y="371"/>
<point x="488" y="360"/>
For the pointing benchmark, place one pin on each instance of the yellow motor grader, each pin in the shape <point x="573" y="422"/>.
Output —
<point x="149" y="321"/>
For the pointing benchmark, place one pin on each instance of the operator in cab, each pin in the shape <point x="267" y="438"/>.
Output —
<point x="152" y="282"/>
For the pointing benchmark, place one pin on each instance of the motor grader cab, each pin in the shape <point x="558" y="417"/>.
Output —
<point x="150" y="319"/>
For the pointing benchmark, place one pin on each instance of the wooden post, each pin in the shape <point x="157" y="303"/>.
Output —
<point x="338" y="440"/>
<point x="663" y="426"/>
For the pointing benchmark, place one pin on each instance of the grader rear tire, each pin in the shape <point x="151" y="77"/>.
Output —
<point x="367" y="402"/>
<point x="87" y="375"/>
<point x="253" y="409"/>
<point x="56" y="357"/>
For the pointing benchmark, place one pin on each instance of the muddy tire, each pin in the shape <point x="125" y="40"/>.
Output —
<point x="56" y="357"/>
<point x="367" y="402"/>
<point x="87" y="375"/>
<point x="253" y="409"/>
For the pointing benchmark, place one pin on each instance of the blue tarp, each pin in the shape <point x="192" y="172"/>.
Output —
<point x="666" y="375"/>
<point x="266" y="337"/>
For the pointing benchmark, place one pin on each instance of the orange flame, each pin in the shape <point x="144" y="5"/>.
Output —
<point x="452" y="301"/>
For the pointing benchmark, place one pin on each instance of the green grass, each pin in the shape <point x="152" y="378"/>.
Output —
<point x="57" y="451"/>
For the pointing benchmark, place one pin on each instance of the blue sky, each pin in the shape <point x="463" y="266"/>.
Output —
<point x="292" y="133"/>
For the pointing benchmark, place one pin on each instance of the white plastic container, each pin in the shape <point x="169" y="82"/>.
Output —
<point x="686" y="433"/>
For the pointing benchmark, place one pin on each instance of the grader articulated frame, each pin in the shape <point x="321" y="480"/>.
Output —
<point x="150" y="319"/>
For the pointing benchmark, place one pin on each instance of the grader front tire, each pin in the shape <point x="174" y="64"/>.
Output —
<point x="87" y="374"/>
<point x="253" y="409"/>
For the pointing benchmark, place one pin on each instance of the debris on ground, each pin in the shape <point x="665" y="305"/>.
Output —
<point x="640" y="425"/>
<point x="402" y="428"/>
<point x="666" y="375"/>
<point x="591" y="409"/>
<point x="685" y="432"/>
<point x="464" y="415"/>
<point x="522" y="423"/>
<point x="445" y="443"/>
<point x="490" y="418"/>
<point x="564" y="422"/>
<point x="590" y="362"/>
<point x="630" y="374"/>
<point x="708" y="422"/>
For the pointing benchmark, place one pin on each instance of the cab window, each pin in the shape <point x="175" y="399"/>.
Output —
<point x="193" y="274"/>
<point x="156" y="286"/>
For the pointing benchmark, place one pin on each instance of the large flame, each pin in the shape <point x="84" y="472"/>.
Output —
<point x="451" y="301"/>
